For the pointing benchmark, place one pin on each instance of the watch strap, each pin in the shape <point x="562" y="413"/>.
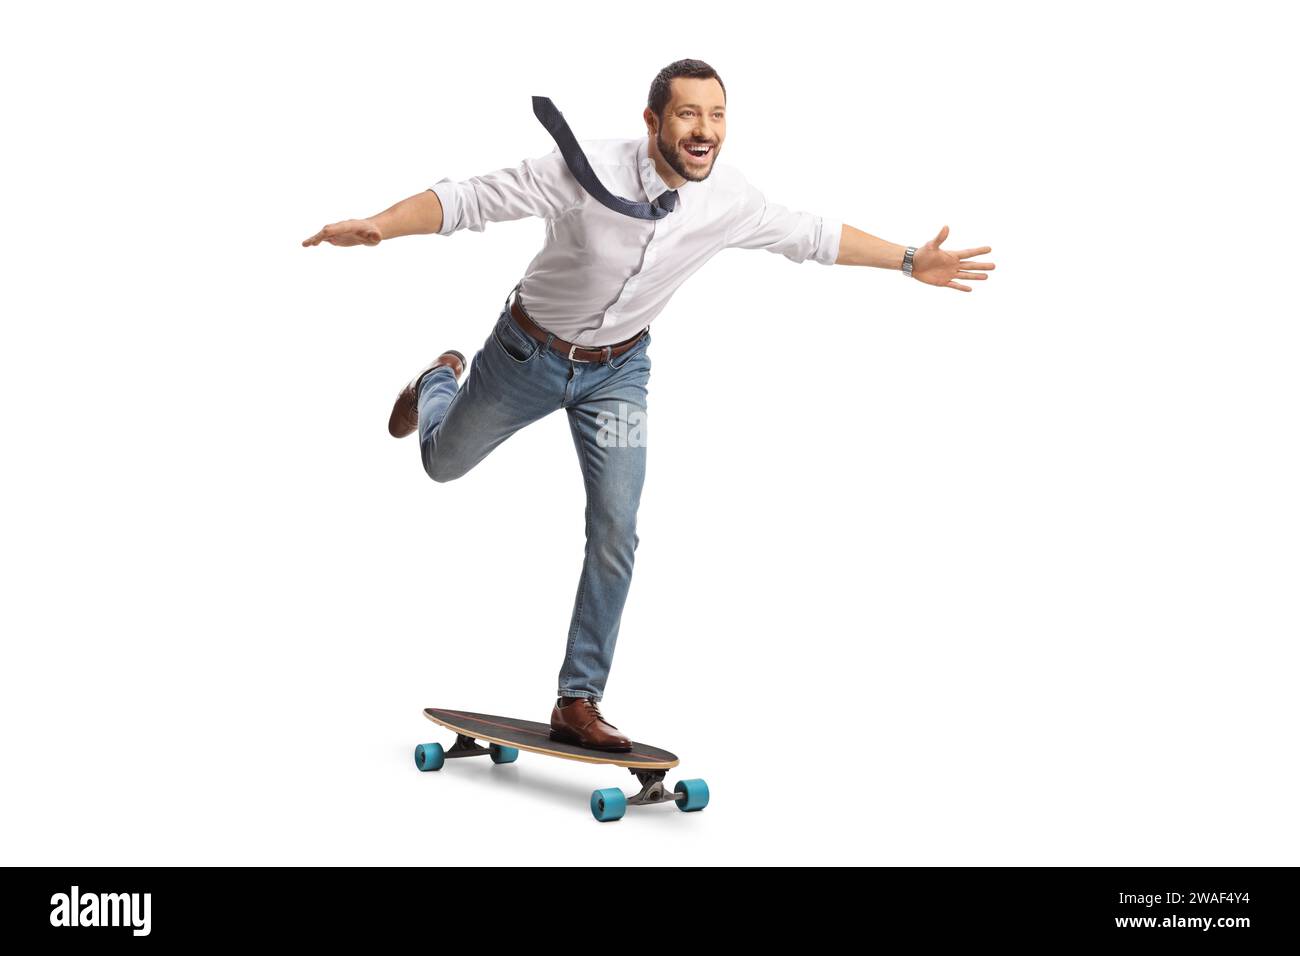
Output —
<point x="907" y="260"/>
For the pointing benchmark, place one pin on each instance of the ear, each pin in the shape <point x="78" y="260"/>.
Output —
<point x="651" y="121"/>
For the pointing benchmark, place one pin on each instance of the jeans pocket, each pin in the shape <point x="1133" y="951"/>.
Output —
<point x="518" y="346"/>
<point x="638" y="350"/>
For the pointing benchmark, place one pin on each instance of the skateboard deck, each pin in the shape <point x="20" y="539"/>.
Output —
<point x="506" y="736"/>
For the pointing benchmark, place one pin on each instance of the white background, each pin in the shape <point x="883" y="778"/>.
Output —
<point x="925" y="577"/>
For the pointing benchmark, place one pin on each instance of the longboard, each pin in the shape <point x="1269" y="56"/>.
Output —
<point x="506" y="736"/>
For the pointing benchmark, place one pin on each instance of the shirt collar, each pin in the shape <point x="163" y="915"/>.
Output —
<point x="651" y="181"/>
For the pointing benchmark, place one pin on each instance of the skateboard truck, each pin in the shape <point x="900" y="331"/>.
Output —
<point x="465" y="747"/>
<point x="652" y="788"/>
<point x="611" y="803"/>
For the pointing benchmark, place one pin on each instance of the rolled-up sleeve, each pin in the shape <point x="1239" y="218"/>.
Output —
<point x="798" y="236"/>
<point x="541" y="187"/>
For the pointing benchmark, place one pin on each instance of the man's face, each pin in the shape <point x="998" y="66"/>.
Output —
<point x="695" y="118"/>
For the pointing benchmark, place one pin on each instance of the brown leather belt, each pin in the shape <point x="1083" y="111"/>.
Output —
<point x="576" y="353"/>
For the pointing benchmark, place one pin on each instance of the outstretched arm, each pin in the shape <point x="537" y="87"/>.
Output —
<point x="801" y="236"/>
<point x="418" y="215"/>
<point x="536" y="187"/>
<point x="930" y="264"/>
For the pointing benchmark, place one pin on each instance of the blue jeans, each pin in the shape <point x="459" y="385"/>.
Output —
<point x="515" y="380"/>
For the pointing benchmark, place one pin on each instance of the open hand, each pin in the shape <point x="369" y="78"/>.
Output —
<point x="935" y="266"/>
<point x="350" y="232"/>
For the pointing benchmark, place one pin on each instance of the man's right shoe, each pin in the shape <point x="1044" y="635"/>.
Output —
<point x="579" y="722"/>
<point x="406" y="410"/>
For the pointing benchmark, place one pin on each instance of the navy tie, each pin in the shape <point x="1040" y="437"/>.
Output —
<point x="576" y="160"/>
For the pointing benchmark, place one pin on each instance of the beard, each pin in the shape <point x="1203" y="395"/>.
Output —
<point x="673" y="157"/>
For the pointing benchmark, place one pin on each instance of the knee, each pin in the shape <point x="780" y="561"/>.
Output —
<point x="611" y="532"/>
<point x="617" y="555"/>
<point x="441" y="469"/>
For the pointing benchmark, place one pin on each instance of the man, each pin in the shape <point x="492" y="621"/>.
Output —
<point x="576" y="334"/>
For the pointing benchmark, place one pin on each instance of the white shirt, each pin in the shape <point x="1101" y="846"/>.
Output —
<point x="601" y="276"/>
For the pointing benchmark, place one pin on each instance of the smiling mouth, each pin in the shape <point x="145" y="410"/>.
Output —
<point x="699" y="153"/>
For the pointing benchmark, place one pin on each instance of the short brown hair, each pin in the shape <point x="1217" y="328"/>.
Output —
<point x="661" y="88"/>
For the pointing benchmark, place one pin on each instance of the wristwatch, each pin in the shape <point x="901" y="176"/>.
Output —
<point x="907" y="260"/>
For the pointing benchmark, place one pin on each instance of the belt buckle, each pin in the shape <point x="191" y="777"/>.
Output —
<point x="573" y="348"/>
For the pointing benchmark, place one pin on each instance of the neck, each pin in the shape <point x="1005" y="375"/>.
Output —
<point x="669" y="175"/>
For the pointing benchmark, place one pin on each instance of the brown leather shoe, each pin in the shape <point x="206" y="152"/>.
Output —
<point x="579" y="722"/>
<point x="406" y="413"/>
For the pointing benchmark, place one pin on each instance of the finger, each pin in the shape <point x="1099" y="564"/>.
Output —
<point x="312" y="240"/>
<point x="943" y="234"/>
<point x="971" y="275"/>
<point x="976" y="265"/>
<point x="958" y="285"/>
<point x="966" y="253"/>
<point x="326" y="234"/>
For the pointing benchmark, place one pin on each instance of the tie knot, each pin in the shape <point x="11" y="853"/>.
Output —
<point x="667" y="200"/>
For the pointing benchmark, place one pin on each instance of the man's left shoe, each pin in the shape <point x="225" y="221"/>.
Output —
<point x="405" y="417"/>
<point x="577" y="720"/>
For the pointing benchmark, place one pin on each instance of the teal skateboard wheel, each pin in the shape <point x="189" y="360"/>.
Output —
<point x="502" y="754"/>
<point x="429" y="756"/>
<point x="609" y="804"/>
<point x="696" y="795"/>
